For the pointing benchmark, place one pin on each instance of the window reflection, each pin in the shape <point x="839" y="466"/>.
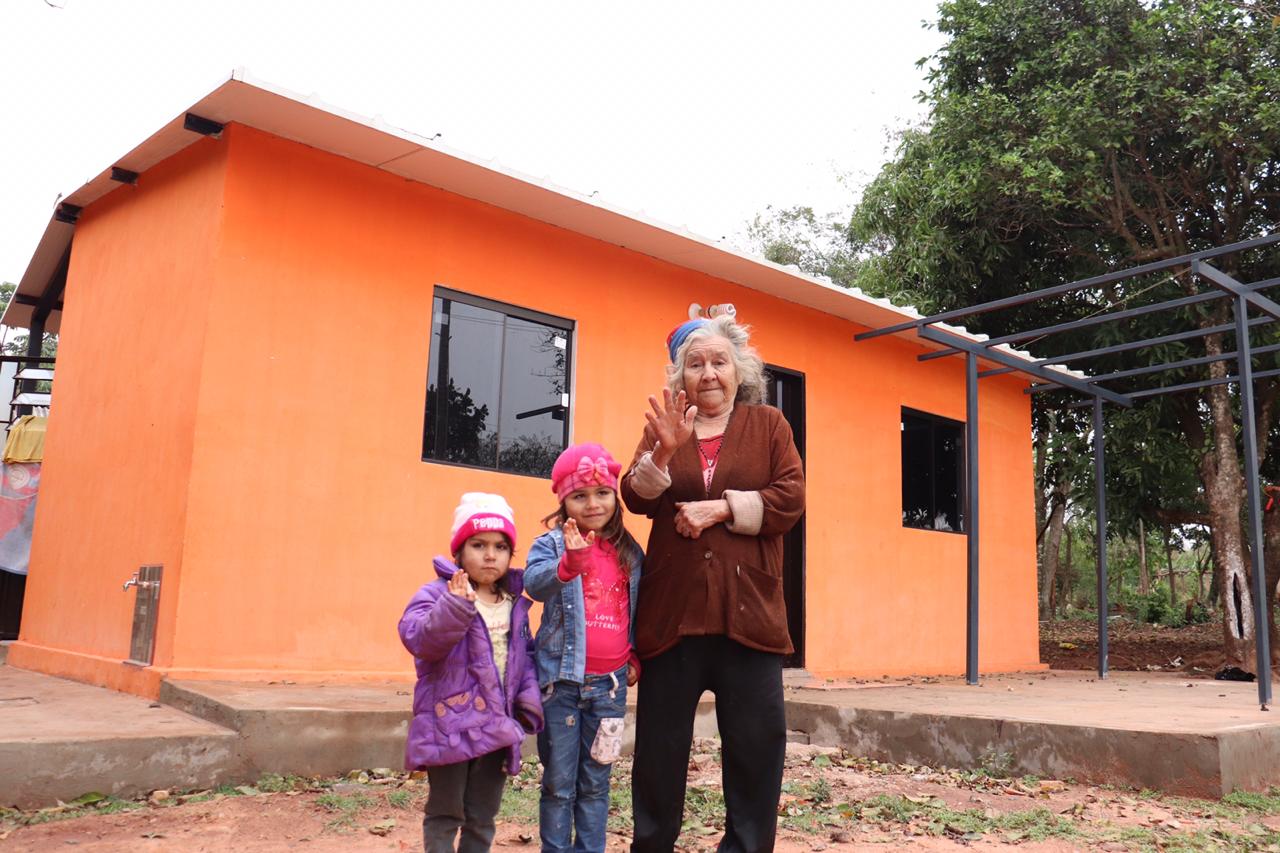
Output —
<point x="505" y="375"/>
<point x="932" y="472"/>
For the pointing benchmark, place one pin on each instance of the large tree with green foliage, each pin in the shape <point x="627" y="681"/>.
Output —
<point x="1070" y="137"/>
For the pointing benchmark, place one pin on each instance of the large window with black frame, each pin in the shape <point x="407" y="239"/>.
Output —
<point x="932" y="472"/>
<point x="497" y="385"/>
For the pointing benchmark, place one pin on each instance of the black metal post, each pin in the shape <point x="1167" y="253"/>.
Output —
<point x="1253" y="490"/>
<point x="35" y="345"/>
<point x="1100" y="514"/>
<point x="971" y="515"/>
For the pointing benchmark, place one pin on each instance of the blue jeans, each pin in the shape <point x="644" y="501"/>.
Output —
<point x="575" y="787"/>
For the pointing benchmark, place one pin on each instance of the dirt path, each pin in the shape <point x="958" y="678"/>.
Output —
<point x="1195" y="650"/>
<point x="831" y="802"/>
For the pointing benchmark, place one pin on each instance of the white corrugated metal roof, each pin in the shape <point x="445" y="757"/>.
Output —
<point x="254" y="103"/>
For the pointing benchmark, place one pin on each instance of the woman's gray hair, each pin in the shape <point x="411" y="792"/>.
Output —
<point x="746" y="361"/>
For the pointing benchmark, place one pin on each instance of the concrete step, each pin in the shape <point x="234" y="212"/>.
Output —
<point x="326" y="730"/>
<point x="1150" y="730"/>
<point x="4" y="650"/>
<point x="305" y="729"/>
<point x="60" y="739"/>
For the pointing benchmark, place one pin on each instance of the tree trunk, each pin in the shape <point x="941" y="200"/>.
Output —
<point x="1215" y="591"/>
<point x="1049" y="554"/>
<point x="1069" y="579"/>
<point x="1202" y="566"/>
<point x="1041" y="462"/>
<point x="1168" y="558"/>
<point x="1223" y="481"/>
<point x="1271" y="536"/>
<point x="1115" y="570"/>
<point x="1144" y="575"/>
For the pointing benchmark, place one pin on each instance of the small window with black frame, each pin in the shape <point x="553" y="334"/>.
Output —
<point x="497" y="385"/>
<point x="932" y="472"/>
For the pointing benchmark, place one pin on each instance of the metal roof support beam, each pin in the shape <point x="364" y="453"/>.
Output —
<point x="1100" y="531"/>
<point x="1235" y="288"/>
<point x="1253" y="489"/>
<point x="24" y="299"/>
<point x="1156" y="368"/>
<point x="971" y="516"/>
<point x="201" y="125"/>
<point x="1185" y="386"/>
<point x="1045" y="293"/>
<point x="1099" y="319"/>
<point x="1015" y="363"/>
<point x="1132" y="345"/>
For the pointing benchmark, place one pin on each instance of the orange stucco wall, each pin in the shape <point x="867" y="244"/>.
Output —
<point x="118" y="447"/>
<point x="291" y="487"/>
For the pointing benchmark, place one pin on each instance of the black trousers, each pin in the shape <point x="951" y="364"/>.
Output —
<point x="464" y="796"/>
<point x="753" y="733"/>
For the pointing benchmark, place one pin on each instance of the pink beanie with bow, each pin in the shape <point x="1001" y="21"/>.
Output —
<point x="582" y="466"/>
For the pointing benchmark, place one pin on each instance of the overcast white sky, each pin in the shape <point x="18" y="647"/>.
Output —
<point x="700" y="114"/>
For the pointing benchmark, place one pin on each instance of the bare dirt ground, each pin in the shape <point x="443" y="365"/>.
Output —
<point x="831" y="801"/>
<point x="1195" y="650"/>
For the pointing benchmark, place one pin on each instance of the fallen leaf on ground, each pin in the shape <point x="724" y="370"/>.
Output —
<point x="383" y="827"/>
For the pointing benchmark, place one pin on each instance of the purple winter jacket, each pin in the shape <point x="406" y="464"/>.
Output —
<point x="460" y="711"/>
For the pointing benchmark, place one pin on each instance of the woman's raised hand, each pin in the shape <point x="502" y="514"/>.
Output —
<point x="672" y="423"/>
<point x="573" y="538"/>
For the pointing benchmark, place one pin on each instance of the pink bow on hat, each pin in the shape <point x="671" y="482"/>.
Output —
<point x="584" y="465"/>
<point x="592" y="472"/>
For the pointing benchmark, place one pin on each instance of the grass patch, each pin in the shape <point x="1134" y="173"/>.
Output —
<point x="815" y="812"/>
<point x="399" y="799"/>
<point x="1268" y="803"/>
<point x="346" y="807"/>
<point x="274" y="783"/>
<point x="89" y="804"/>
<point x="620" y="816"/>
<point x="520" y="804"/>
<point x="997" y="765"/>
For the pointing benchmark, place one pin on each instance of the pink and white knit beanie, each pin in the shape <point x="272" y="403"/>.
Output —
<point x="481" y="512"/>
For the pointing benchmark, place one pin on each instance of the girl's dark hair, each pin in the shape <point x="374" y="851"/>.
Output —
<point x="614" y="532"/>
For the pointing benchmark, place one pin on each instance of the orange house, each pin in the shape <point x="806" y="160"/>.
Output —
<point x="290" y="338"/>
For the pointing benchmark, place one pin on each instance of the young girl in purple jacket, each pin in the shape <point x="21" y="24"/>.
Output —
<point x="477" y="692"/>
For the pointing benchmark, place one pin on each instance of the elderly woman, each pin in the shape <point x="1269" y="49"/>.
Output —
<point x="720" y="476"/>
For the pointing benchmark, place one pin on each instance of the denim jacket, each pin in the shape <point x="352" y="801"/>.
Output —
<point x="560" y="651"/>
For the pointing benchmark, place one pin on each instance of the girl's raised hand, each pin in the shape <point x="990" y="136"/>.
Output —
<point x="460" y="585"/>
<point x="573" y="538"/>
<point x="672" y="422"/>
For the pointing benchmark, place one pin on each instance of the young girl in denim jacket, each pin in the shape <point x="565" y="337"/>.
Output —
<point x="477" y="692"/>
<point x="587" y="572"/>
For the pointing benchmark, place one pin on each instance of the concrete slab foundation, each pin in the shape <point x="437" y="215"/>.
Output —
<point x="1158" y="731"/>
<point x="60" y="739"/>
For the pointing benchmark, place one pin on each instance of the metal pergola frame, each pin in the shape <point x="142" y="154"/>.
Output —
<point x="1053" y="375"/>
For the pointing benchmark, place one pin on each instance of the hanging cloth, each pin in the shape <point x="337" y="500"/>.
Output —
<point x="26" y="440"/>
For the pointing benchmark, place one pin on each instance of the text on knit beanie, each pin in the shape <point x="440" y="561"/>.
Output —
<point x="480" y="512"/>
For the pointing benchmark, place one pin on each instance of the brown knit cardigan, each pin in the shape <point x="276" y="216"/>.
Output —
<point x="721" y="582"/>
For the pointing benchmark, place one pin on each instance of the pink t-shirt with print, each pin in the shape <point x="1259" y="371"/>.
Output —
<point x="606" y="593"/>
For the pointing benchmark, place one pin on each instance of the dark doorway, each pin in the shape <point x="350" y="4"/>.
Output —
<point x="12" y="589"/>
<point x="786" y="391"/>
